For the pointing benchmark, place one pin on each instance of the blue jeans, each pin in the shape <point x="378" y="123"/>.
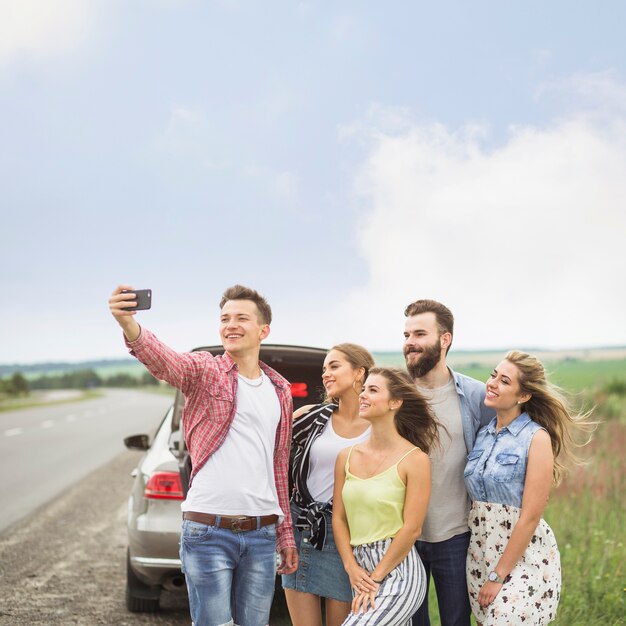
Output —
<point x="445" y="560"/>
<point x="230" y="575"/>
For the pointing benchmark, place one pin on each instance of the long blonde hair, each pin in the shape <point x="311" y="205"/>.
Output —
<point x="549" y="407"/>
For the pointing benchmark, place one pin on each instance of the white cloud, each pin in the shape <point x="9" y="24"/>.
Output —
<point x="42" y="27"/>
<point x="524" y="242"/>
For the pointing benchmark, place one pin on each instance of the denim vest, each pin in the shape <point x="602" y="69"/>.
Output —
<point x="496" y="467"/>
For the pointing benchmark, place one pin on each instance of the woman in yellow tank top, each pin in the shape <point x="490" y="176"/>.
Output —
<point x="382" y="488"/>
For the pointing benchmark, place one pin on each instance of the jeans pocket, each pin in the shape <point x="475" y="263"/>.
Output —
<point x="269" y="531"/>
<point x="194" y="531"/>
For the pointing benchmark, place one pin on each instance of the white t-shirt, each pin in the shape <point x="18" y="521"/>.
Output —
<point x="238" y="479"/>
<point x="324" y="451"/>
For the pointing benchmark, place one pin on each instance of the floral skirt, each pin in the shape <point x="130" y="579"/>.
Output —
<point x="530" y="595"/>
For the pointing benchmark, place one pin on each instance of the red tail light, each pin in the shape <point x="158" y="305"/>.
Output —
<point x="299" y="390"/>
<point x="164" y="486"/>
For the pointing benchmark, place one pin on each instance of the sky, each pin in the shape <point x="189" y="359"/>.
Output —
<point x="343" y="158"/>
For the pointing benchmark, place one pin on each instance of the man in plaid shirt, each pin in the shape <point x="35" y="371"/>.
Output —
<point x="237" y="423"/>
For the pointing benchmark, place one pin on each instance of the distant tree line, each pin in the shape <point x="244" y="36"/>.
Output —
<point x="17" y="384"/>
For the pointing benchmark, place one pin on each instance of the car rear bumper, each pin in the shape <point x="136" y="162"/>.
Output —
<point x="145" y="561"/>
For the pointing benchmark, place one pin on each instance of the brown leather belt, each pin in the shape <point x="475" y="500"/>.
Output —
<point x="237" y="523"/>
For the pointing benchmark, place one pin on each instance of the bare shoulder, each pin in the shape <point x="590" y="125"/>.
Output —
<point x="541" y="444"/>
<point x="417" y="458"/>
<point x="343" y="454"/>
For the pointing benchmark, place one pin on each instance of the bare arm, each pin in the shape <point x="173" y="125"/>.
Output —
<point x="358" y="576"/>
<point x="301" y="411"/>
<point x="536" y="492"/>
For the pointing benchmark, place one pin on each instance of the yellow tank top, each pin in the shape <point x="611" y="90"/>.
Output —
<point x="374" y="506"/>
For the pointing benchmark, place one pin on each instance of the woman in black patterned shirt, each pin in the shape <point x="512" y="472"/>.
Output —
<point x="319" y="433"/>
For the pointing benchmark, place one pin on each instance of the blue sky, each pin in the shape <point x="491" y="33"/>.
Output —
<point x="344" y="158"/>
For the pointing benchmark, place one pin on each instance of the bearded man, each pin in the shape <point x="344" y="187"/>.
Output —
<point x="458" y="403"/>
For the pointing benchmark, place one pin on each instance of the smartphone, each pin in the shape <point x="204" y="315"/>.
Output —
<point x="143" y="298"/>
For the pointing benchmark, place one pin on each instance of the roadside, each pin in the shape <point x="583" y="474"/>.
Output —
<point x="66" y="563"/>
<point x="65" y="396"/>
<point x="46" y="398"/>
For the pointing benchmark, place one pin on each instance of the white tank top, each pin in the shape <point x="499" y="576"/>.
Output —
<point x="324" y="451"/>
<point x="238" y="479"/>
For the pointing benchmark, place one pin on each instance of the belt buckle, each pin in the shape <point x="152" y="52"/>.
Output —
<point x="236" y="522"/>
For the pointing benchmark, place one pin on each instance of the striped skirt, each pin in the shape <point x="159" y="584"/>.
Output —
<point x="400" y="594"/>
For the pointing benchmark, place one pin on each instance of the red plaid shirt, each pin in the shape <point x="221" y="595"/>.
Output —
<point x="209" y="384"/>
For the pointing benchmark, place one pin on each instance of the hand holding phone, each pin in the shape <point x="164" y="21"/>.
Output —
<point x="143" y="298"/>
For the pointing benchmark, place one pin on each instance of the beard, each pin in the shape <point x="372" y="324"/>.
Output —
<point x="430" y="356"/>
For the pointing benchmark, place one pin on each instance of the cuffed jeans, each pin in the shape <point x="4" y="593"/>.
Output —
<point x="445" y="560"/>
<point x="230" y="575"/>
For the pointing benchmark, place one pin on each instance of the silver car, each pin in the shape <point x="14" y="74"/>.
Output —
<point x="160" y="482"/>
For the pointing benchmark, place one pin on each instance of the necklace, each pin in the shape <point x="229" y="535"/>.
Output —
<point x="371" y="474"/>
<point x="252" y="384"/>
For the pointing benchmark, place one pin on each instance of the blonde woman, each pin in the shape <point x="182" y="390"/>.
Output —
<point x="382" y="488"/>
<point x="513" y="563"/>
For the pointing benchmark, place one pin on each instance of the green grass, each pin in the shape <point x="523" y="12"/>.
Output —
<point x="587" y="515"/>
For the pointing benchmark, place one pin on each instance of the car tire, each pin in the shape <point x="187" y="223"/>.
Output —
<point x="140" y="598"/>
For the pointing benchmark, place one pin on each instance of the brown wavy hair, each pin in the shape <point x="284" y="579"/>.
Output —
<point x="414" y="420"/>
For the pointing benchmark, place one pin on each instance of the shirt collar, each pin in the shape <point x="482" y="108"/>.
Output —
<point x="515" y="427"/>
<point x="227" y="362"/>
<point x="457" y="382"/>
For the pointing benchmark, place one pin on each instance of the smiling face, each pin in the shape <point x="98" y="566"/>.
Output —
<point x="424" y="345"/>
<point x="338" y="375"/>
<point x="240" y="328"/>
<point x="374" y="400"/>
<point x="503" y="388"/>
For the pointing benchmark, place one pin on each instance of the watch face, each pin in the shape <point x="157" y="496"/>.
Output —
<point x="492" y="576"/>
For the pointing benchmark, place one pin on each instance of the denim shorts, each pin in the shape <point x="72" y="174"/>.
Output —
<point x="319" y="572"/>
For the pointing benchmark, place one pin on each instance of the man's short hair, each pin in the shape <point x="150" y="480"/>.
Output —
<point x="443" y="315"/>
<point x="239" y="292"/>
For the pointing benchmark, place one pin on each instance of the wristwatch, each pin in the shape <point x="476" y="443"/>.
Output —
<point x="494" y="578"/>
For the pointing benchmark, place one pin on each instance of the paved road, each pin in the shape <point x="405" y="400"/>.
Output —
<point x="66" y="563"/>
<point x="44" y="450"/>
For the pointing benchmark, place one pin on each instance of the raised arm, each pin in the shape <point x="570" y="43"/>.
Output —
<point x="536" y="492"/>
<point x="117" y="303"/>
<point x="181" y="370"/>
